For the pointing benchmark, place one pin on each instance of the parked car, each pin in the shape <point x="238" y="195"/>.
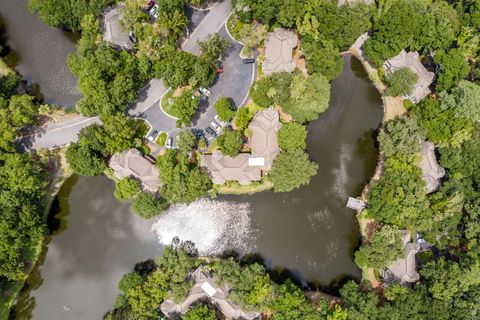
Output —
<point x="169" y="143"/>
<point x="211" y="132"/>
<point x="152" y="136"/>
<point x="154" y="11"/>
<point x="149" y="5"/>
<point x="205" y="91"/>
<point x="220" y="121"/>
<point x="216" y="127"/>
<point x="198" y="133"/>
<point x="219" y="70"/>
<point x="248" y="60"/>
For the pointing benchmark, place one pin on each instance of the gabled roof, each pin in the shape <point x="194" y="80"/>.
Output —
<point x="411" y="60"/>
<point x="432" y="172"/>
<point x="205" y="287"/>
<point x="404" y="268"/>
<point x="278" y="51"/>
<point x="131" y="163"/>
<point x="113" y="29"/>
<point x="245" y="168"/>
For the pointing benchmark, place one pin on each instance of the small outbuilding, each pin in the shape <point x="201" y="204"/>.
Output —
<point x="432" y="172"/>
<point x="404" y="269"/>
<point x="114" y="31"/>
<point x="355" y="204"/>
<point x="411" y="60"/>
<point x="279" y="51"/>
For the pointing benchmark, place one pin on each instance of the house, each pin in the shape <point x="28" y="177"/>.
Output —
<point x="205" y="287"/>
<point x="432" y="172"/>
<point x="114" y="30"/>
<point x="279" y="51"/>
<point x="131" y="163"/>
<point x="403" y="270"/>
<point x="248" y="167"/>
<point x="411" y="60"/>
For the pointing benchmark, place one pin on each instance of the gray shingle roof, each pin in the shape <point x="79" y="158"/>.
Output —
<point x="113" y="30"/>
<point x="278" y="51"/>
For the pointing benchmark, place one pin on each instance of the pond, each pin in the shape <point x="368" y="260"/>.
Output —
<point x="309" y="231"/>
<point x="39" y="53"/>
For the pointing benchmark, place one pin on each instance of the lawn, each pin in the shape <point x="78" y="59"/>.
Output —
<point x="167" y="103"/>
<point x="161" y="139"/>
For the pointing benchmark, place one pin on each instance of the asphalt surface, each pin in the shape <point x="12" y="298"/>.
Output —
<point x="234" y="83"/>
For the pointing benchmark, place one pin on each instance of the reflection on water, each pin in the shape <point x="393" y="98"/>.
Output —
<point x="39" y="53"/>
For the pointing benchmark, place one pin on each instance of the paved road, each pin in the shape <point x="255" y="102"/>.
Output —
<point x="234" y="82"/>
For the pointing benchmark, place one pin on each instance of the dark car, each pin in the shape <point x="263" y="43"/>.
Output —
<point x="248" y="60"/>
<point x="198" y="133"/>
<point x="211" y="132"/>
<point x="149" y="5"/>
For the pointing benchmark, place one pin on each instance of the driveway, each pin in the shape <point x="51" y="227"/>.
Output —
<point x="234" y="82"/>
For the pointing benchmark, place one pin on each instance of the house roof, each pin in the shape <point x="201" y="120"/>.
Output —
<point x="205" y="287"/>
<point x="404" y="269"/>
<point x="245" y="167"/>
<point x="432" y="172"/>
<point x="131" y="163"/>
<point x="278" y="51"/>
<point x="113" y="29"/>
<point x="411" y="60"/>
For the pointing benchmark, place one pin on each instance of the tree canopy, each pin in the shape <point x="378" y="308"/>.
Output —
<point x="224" y="109"/>
<point x="292" y="137"/>
<point x="400" y="82"/>
<point x="230" y="143"/>
<point x="290" y="170"/>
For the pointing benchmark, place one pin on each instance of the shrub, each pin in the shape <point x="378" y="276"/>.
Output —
<point x="126" y="189"/>
<point x="147" y="205"/>
<point x="224" y="109"/>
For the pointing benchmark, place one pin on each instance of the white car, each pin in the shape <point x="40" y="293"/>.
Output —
<point x="169" y="143"/>
<point x="220" y="121"/>
<point x="215" y="126"/>
<point x="205" y="91"/>
<point x="154" y="11"/>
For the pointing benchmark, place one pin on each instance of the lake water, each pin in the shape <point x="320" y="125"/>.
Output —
<point x="39" y="53"/>
<point x="308" y="232"/>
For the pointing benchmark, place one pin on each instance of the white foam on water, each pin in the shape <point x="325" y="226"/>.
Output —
<point x="214" y="226"/>
<point x="341" y="174"/>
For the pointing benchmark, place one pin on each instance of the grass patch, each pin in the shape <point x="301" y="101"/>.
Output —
<point x="161" y="139"/>
<point x="4" y="70"/>
<point x="142" y="127"/>
<point x="167" y="103"/>
<point x="232" y="187"/>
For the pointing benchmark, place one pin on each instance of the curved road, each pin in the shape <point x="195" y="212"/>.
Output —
<point x="234" y="82"/>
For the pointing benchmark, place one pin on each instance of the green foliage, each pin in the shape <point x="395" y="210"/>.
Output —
<point x="185" y="106"/>
<point x="230" y="143"/>
<point x="69" y="14"/>
<point x="384" y="248"/>
<point x="8" y="85"/>
<point x="183" y="68"/>
<point x="401" y="137"/>
<point x="252" y="36"/>
<point x="22" y="110"/>
<point x="262" y="92"/>
<point x="126" y="188"/>
<point x="453" y="68"/>
<point x="399" y="197"/>
<point x="224" y="109"/>
<point x="324" y="58"/>
<point x="292" y="137"/>
<point x="147" y="205"/>
<point x="186" y="142"/>
<point x="400" y="82"/>
<point x="243" y="118"/>
<point x="200" y="312"/>
<point x="291" y="170"/>
<point x="464" y="99"/>
<point x="129" y="281"/>
<point x="183" y="181"/>
<point x="212" y="48"/>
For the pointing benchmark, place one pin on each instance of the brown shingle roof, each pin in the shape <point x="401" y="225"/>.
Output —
<point x="113" y="30"/>
<point x="278" y="51"/>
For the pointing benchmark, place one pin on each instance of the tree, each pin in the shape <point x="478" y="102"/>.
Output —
<point x="185" y="107"/>
<point x="119" y="133"/>
<point x="84" y="160"/>
<point x="263" y="91"/>
<point x="182" y="180"/>
<point x="309" y="96"/>
<point x="22" y="110"/>
<point x="129" y="281"/>
<point x="323" y="57"/>
<point x="464" y="99"/>
<point x="453" y="68"/>
<point x="401" y="136"/>
<point x="292" y="137"/>
<point x="126" y="188"/>
<point x="440" y="26"/>
<point x="400" y="82"/>
<point x="57" y="13"/>
<point x="186" y="142"/>
<point x="385" y="247"/>
<point x="213" y="47"/>
<point x="147" y="205"/>
<point x="291" y="170"/>
<point x="230" y="143"/>
<point x="224" y="109"/>
<point x="242" y="119"/>
<point x="200" y="312"/>
<point x="252" y="36"/>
